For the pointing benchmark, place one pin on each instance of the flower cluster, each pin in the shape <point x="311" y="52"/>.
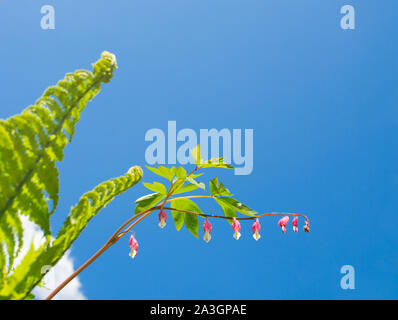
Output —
<point x="255" y="227"/>
<point x="235" y="227"/>
<point x="283" y="223"/>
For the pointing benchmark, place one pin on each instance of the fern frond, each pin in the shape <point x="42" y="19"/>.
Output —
<point x="15" y="286"/>
<point x="29" y="273"/>
<point x="89" y="205"/>
<point x="30" y="145"/>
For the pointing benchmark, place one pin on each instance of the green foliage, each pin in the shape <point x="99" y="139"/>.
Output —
<point x="182" y="182"/>
<point x="236" y="205"/>
<point x="156" y="186"/>
<point x="186" y="188"/>
<point x="31" y="144"/>
<point x="197" y="157"/>
<point x="224" y="198"/>
<point x="216" y="163"/>
<point x="29" y="272"/>
<point x="164" y="172"/>
<point x="211" y="163"/>
<point x="147" y="201"/>
<point x="191" y="221"/>
<point x="218" y="189"/>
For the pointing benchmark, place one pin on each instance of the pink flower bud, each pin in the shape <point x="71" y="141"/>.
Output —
<point x="162" y="218"/>
<point x="236" y="228"/>
<point x="307" y="226"/>
<point x="133" y="244"/>
<point x="256" y="230"/>
<point x="294" y="223"/>
<point x="207" y="230"/>
<point x="283" y="223"/>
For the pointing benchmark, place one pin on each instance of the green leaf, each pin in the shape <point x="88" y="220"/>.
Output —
<point x="236" y="205"/>
<point x="164" y="172"/>
<point x="218" y="189"/>
<point x="42" y="285"/>
<point x="178" y="217"/>
<point x="228" y="211"/>
<point x="193" y="176"/>
<point x="191" y="220"/>
<point x="30" y="296"/>
<point x="181" y="173"/>
<point x="186" y="188"/>
<point x="192" y="224"/>
<point x="156" y="187"/>
<point x="216" y="163"/>
<point x="147" y="201"/>
<point x="26" y="275"/>
<point x="200" y="185"/>
<point x="196" y="155"/>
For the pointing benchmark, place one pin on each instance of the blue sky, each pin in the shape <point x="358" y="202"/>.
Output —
<point x="323" y="105"/>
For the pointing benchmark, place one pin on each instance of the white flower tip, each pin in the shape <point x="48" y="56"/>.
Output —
<point x="237" y="235"/>
<point x="256" y="236"/>
<point x="162" y="224"/>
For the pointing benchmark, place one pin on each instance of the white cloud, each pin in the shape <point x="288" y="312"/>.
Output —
<point x="57" y="274"/>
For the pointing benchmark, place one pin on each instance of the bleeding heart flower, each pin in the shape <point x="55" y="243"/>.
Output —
<point x="256" y="229"/>
<point x="236" y="228"/>
<point x="133" y="244"/>
<point x="207" y="230"/>
<point x="307" y="226"/>
<point x="294" y="223"/>
<point x="283" y="223"/>
<point x="162" y="218"/>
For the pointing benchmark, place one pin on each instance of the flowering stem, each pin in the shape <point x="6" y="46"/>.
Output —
<point x="118" y="234"/>
<point x="231" y="218"/>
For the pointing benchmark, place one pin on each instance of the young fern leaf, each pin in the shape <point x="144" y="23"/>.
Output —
<point x="30" y="145"/>
<point x="29" y="273"/>
<point x="89" y="205"/>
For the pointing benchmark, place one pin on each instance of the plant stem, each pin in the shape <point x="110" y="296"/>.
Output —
<point x="118" y="234"/>
<point x="115" y="237"/>
<point x="112" y="240"/>
<point x="188" y="197"/>
<point x="230" y="218"/>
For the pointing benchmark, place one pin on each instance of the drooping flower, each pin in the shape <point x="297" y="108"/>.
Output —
<point x="133" y="244"/>
<point x="162" y="218"/>
<point x="283" y="223"/>
<point x="294" y="223"/>
<point x="207" y="230"/>
<point x="256" y="230"/>
<point x="307" y="226"/>
<point x="236" y="228"/>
